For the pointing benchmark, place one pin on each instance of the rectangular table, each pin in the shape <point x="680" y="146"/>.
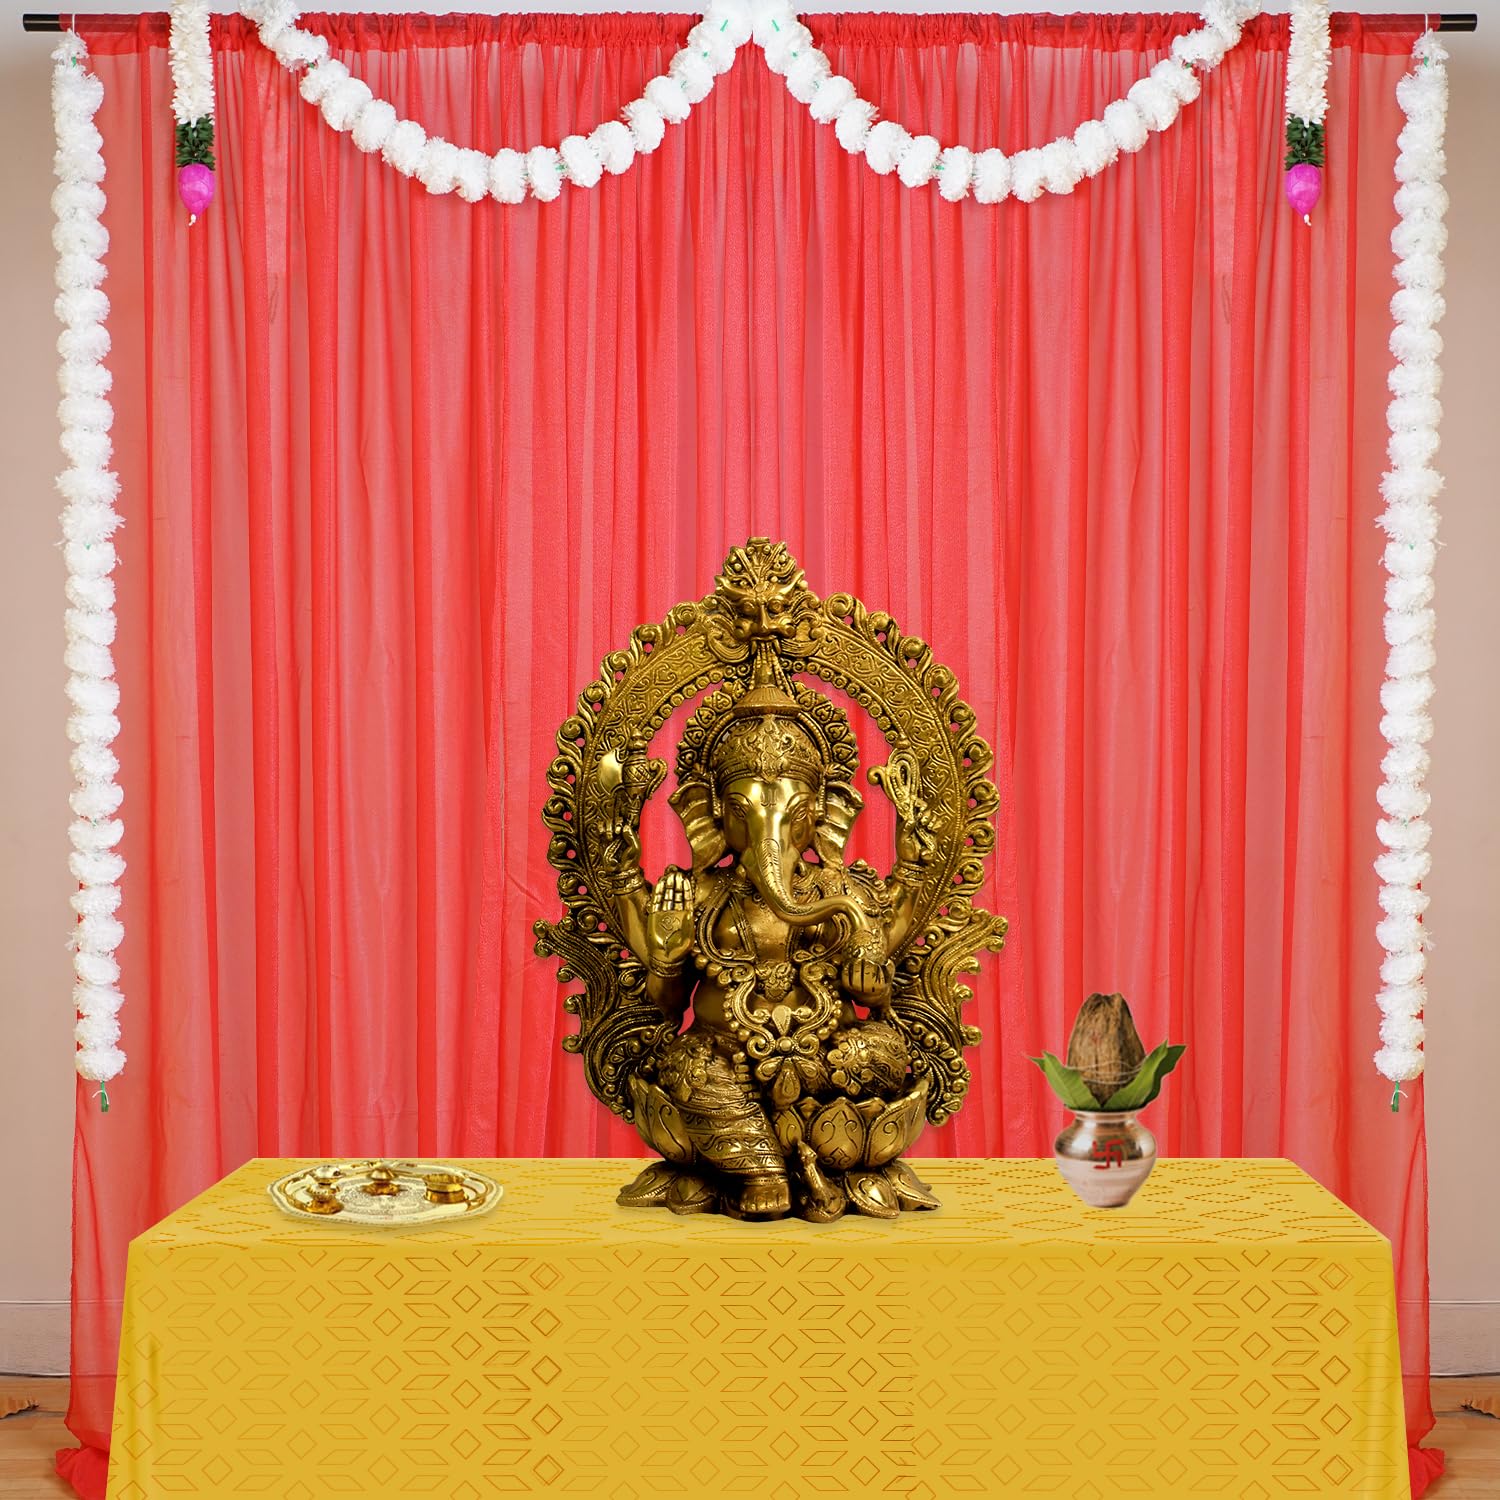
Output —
<point x="1231" y="1332"/>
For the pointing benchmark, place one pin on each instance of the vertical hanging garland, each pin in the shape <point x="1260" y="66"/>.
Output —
<point x="1410" y="488"/>
<point x="193" y="104"/>
<point x="1308" y="57"/>
<point x="89" y="520"/>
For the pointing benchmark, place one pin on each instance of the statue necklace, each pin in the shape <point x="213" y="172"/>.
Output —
<point x="776" y="1036"/>
<point x="774" y="978"/>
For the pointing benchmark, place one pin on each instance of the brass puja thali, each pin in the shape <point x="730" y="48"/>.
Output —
<point x="397" y="1194"/>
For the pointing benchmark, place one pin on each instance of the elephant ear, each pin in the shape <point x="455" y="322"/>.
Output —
<point x="694" y="806"/>
<point x="841" y="805"/>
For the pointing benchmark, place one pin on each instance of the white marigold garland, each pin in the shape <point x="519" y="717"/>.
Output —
<point x="1150" y="105"/>
<point x="1410" y="488"/>
<point x="510" y="176"/>
<point x="192" y="62"/>
<point x="88" y="521"/>
<point x="1309" y="54"/>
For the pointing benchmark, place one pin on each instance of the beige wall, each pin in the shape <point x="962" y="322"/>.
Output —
<point x="36" y="1075"/>
<point x="1464" y="1026"/>
<point x="36" y="1087"/>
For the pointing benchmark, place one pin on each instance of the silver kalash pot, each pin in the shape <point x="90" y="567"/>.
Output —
<point x="1104" y="1156"/>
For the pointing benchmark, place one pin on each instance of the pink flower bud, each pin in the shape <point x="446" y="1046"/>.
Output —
<point x="1304" y="186"/>
<point x="195" y="186"/>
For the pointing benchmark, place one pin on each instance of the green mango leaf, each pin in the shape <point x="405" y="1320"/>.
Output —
<point x="1067" y="1083"/>
<point x="1146" y="1084"/>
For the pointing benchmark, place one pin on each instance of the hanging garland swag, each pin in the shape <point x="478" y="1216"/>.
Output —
<point x="510" y="176"/>
<point x="1410" y="487"/>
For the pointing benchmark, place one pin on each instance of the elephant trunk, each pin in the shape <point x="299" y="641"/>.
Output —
<point x="765" y="862"/>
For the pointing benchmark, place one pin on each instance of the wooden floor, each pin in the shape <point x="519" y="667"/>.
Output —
<point x="28" y="1440"/>
<point x="1471" y="1441"/>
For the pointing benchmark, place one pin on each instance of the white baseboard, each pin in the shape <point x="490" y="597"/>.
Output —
<point x="34" y="1338"/>
<point x="1465" y="1338"/>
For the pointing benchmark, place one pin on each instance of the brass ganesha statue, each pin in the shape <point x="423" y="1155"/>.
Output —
<point x="826" y="1007"/>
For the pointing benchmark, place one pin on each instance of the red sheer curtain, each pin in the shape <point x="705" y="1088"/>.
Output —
<point x="398" y="471"/>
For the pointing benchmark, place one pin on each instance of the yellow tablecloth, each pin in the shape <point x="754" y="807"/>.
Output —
<point x="1231" y="1332"/>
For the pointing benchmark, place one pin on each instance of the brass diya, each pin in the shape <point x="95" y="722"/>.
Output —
<point x="394" y="1194"/>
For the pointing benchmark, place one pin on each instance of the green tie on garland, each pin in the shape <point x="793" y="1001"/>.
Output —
<point x="1304" y="143"/>
<point x="195" y="143"/>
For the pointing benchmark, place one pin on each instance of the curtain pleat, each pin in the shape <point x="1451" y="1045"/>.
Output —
<point x="398" y="471"/>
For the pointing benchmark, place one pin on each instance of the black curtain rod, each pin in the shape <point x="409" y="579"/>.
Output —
<point x="1466" y="20"/>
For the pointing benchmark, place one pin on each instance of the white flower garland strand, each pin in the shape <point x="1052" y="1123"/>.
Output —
<point x="192" y="62"/>
<point x="348" y="105"/>
<point x="1410" y="488"/>
<point x="1309" y="53"/>
<point x="1151" y="105"/>
<point x="89" y="520"/>
<point x="191" y="56"/>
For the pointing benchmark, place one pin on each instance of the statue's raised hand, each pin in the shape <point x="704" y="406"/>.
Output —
<point x="916" y="836"/>
<point x="619" y="846"/>
<point x="916" y="830"/>
<point x="669" y="921"/>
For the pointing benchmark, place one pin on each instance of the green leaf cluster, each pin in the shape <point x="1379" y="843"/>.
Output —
<point x="1304" y="142"/>
<point x="1069" y="1086"/>
<point x="195" y="142"/>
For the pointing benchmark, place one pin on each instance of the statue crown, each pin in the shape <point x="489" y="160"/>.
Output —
<point x="766" y="745"/>
<point x="767" y="732"/>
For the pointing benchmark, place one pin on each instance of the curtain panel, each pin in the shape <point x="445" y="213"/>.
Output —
<point x="398" y="471"/>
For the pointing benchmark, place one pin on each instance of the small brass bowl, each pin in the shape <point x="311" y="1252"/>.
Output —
<point x="382" y="1183"/>
<point x="444" y="1187"/>
<point x="323" y="1199"/>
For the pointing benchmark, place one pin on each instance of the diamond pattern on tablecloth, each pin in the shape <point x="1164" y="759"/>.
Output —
<point x="1234" y="1323"/>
